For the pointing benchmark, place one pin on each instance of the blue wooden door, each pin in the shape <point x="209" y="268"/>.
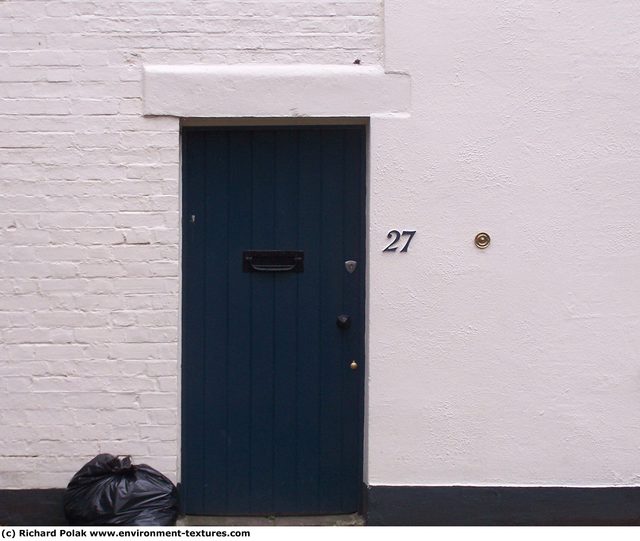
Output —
<point x="272" y="417"/>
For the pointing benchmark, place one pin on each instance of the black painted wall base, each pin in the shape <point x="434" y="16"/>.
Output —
<point x="418" y="506"/>
<point x="32" y="507"/>
<point x="502" y="506"/>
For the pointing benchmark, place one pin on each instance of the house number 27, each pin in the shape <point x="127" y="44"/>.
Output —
<point x="395" y="243"/>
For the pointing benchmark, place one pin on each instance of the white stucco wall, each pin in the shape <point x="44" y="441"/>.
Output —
<point x="517" y="365"/>
<point x="520" y="364"/>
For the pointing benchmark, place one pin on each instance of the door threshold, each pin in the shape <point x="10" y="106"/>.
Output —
<point x="303" y="520"/>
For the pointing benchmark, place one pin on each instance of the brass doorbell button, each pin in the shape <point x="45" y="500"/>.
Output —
<point x="482" y="240"/>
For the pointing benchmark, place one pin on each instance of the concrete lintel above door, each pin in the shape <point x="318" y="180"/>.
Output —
<point x="266" y="90"/>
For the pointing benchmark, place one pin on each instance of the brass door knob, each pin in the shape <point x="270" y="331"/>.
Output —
<point x="354" y="365"/>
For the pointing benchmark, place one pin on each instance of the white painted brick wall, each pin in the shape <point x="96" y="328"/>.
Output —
<point x="89" y="212"/>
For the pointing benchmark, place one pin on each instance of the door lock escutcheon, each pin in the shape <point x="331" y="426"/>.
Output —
<point x="350" y="266"/>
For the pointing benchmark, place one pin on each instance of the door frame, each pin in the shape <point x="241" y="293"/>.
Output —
<point x="293" y="122"/>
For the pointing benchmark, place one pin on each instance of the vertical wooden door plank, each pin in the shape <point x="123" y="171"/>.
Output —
<point x="262" y="325"/>
<point x="353" y="298"/>
<point x="332" y="358"/>
<point x="239" y="313"/>
<point x="215" y="224"/>
<point x="285" y="435"/>
<point x="193" y="419"/>
<point x="308" y="309"/>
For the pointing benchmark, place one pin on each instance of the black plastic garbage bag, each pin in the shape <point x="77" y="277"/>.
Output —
<point x="110" y="491"/>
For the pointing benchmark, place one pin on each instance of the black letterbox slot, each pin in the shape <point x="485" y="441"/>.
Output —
<point x="272" y="261"/>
